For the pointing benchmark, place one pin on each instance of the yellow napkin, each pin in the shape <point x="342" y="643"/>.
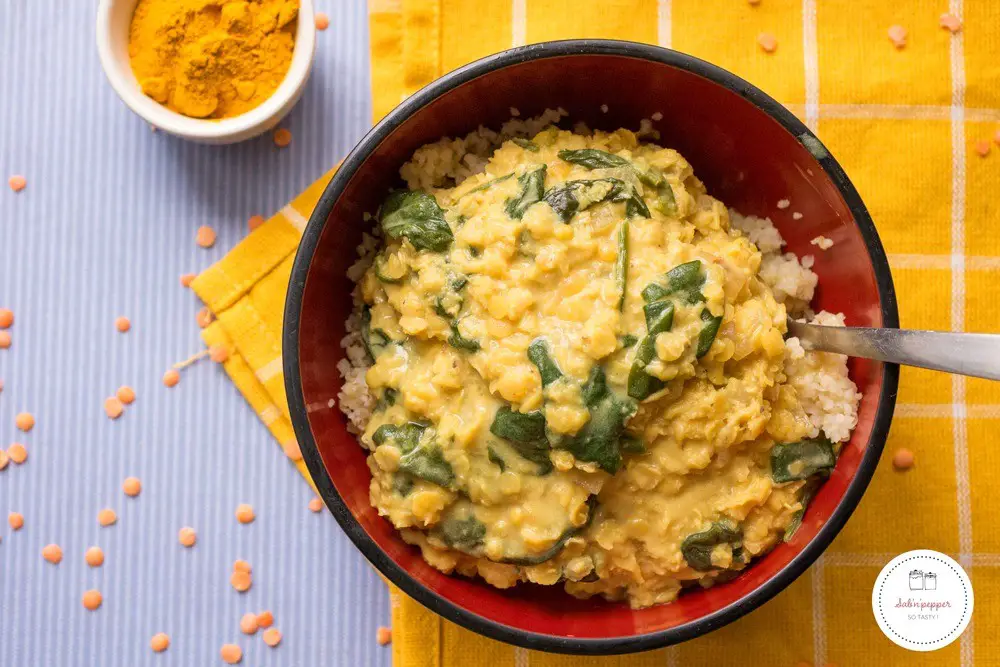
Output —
<point x="904" y="123"/>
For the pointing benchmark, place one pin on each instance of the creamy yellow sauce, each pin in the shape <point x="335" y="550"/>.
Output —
<point x="606" y="499"/>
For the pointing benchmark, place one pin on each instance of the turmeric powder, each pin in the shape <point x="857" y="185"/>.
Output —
<point x="212" y="58"/>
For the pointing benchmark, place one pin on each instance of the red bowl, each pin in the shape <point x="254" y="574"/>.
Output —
<point x="750" y="152"/>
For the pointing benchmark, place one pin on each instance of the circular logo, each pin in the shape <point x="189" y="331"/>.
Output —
<point x="922" y="600"/>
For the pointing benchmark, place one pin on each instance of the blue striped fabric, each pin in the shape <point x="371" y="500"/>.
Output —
<point x="105" y="228"/>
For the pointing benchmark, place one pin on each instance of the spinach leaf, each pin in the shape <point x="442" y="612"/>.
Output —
<point x="556" y="548"/>
<point x="460" y="342"/>
<point x="526" y="434"/>
<point x="463" y="534"/>
<point x="801" y="460"/>
<point x="387" y="399"/>
<point x="598" y="440"/>
<point x="374" y="340"/>
<point x="632" y="444"/>
<point x="571" y="197"/>
<point x="808" y="493"/>
<point x="665" y="201"/>
<point x="487" y="185"/>
<point x="381" y="274"/>
<point x="538" y="354"/>
<point x="621" y="263"/>
<point x="684" y="280"/>
<point x="526" y="144"/>
<point x="496" y="459"/>
<point x="591" y="158"/>
<point x="415" y="215"/>
<point x="628" y="340"/>
<point x="532" y="188"/>
<point x="402" y="483"/>
<point x="659" y="318"/>
<point x="697" y="548"/>
<point x="425" y="461"/>
<point x="708" y="332"/>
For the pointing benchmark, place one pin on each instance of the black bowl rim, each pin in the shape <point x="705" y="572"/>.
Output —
<point x="465" y="617"/>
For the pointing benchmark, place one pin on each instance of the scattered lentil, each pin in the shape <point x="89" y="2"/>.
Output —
<point x="132" y="486"/>
<point x="316" y="505"/>
<point x="113" y="408"/>
<point x="122" y="324"/>
<point x="52" y="553"/>
<point x="125" y="394"/>
<point x="94" y="557"/>
<point x="4" y="459"/>
<point x="231" y="653"/>
<point x="982" y="147"/>
<point x="6" y="318"/>
<point x="171" y="378"/>
<point x="218" y="353"/>
<point x="24" y="421"/>
<point x="248" y="624"/>
<point x="16" y="520"/>
<point x="255" y="221"/>
<point x="187" y="279"/>
<point x="241" y="581"/>
<point x="92" y="599"/>
<point x="383" y="635"/>
<point x="107" y="517"/>
<point x="897" y="35"/>
<point x="205" y="236"/>
<point x="4" y="340"/>
<point x="242" y="566"/>
<point x="159" y="642"/>
<point x="996" y="139"/>
<point x="292" y="450"/>
<point x="18" y="453"/>
<point x="767" y="42"/>
<point x="17" y="182"/>
<point x="265" y="619"/>
<point x="272" y="637"/>
<point x="203" y="317"/>
<point x="187" y="537"/>
<point x="244" y="513"/>
<point x="903" y="459"/>
<point x="282" y="137"/>
<point x="322" y="21"/>
<point x="951" y="23"/>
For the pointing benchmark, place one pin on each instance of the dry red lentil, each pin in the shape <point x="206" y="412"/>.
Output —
<point x="6" y="318"/>
<point x="4" y="459"/>
<point x="5" y="340"/>
<point x="897" y="35"/>
<point x="383" y="635"/>
<point x="265" y="619"/>
<point x="16" y="520"/>
<point x="951" y="23"/>
<point x="272" y="637"/>
<point x="187" y="537"/>
<point x="244" y="513"/>
<point x="203" y="317"/>
<point x="113" y="407"/>
<point x="255" y="221"/>
<point x="107" y="517"/>
<point x="282" y="137"/>
<point x="292" y="450"/>
<point x="18" y="453"/>
<point x="231" y="653"/>
<point x="123" y="324"/>
<point x="24" y="421"/>
<point x="903" y="459"/>
<point x="982" y="147"/>
<point x="248" y="624"/>
<point x="241" y="581"/>
<point x="159" y="642"/>
<point x="187" y="279"/>
<point x="92" y="599"/>
<point x="218" y="353"/>
<point x="171" y="378"/>
<point x="242" y="566"/>
<point x="322" y="21"/>
<point x="316" y="505"/>
<point x="94" y="557"/>
<point x="767" y="42"/>
<point x="52" y="553"/>
<point x="125" y="394"/>
<point x="132" y="486"/>
<point x="17" y="182"/>
<point x="205" y="236"/>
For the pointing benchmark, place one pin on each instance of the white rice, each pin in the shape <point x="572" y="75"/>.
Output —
<point x="820" y="379"/>
<point x="822" y="242"/>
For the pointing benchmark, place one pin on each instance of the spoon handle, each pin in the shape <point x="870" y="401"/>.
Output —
<point x="972" y="354"/>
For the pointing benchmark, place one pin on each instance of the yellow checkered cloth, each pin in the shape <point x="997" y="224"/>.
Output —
<point x="904" y="124"/>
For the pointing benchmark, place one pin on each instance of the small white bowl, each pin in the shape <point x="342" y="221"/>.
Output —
<point x="113" y="20"/>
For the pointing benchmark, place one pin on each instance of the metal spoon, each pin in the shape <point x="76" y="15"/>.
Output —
<point x="972" y="354"/>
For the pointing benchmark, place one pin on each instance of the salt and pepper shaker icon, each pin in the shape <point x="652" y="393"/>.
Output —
<point x="930" y="581"/>
<point x="917" y="580"/>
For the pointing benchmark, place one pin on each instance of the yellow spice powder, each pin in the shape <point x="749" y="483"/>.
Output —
<point x="212" y="58"/>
